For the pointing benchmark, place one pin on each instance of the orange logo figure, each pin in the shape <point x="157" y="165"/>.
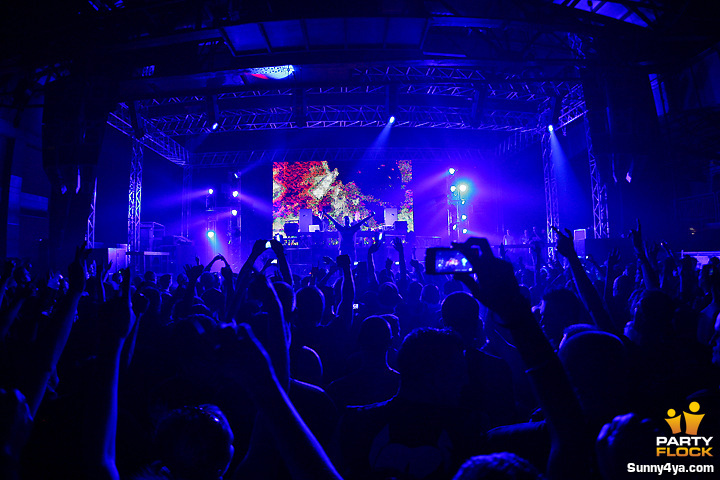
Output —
<point x="692" y="420"/>
<point x="674" y="421"/>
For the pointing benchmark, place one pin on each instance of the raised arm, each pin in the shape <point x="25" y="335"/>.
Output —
<point x="612" y="261"/>
<point x="403" y="280"/>
<point x="345" y="311"/>
<point x="228" y="286"/>
<point x="193" y="273"/>
<point x="588" y="293"/>
<point x="333" y="221"/>
<point x="117" y="320"/>
<point x="372" y="276"/>
<point x="650" y="276"/>
<point x="303" y="456"/>
<point x="364" y="220"/>
<point x="498" y="290"/>
<point x="282" y="263"/>
<point x="52" y="339"/>
<point x="5" y="277"/>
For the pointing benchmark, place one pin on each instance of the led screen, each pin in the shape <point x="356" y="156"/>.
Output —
<point x="342" y="188"/>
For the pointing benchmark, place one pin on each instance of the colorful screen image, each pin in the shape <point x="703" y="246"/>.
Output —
<point x="341" y="189"/>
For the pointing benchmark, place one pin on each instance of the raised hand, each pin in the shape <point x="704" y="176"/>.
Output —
<point x="496" y="285"/>
<point x="8" y="268"/>
<point x="388" y="263"/>
<point x="77" y="271"/>
<point x="652" y="253"/>
<point x="375" y="246"/>
<point x="258" y="248"/>
<point x="118" y="313"/>
<point x="398" y="245"/>
<point x="637" y="240"/>
<point x="226" y="271"/>
<point x="343" y="261"/>
<point x="277" y="248"/>
<point x="565" y="243"/>
<point x="416" y="264"/>
<point x="192" y="272"/>
<point x="613" y="258"/>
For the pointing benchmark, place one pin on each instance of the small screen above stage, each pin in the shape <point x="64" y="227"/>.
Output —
<point x="342" y="189"/>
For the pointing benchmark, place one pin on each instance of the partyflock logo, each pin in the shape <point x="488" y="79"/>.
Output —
<point x="690" y="444"/>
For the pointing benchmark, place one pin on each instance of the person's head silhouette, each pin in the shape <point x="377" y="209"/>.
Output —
<point x="432" y="367"/>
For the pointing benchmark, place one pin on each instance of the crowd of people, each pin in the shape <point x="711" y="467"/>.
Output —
<point x="565" y="369"/>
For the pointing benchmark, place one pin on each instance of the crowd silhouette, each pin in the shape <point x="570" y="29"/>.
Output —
<point x="564" y="369"/>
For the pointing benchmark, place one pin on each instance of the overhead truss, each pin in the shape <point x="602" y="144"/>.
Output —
<point x="246" y="157"/>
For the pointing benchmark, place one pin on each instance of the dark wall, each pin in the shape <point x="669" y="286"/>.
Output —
<point x="161" y="192"/>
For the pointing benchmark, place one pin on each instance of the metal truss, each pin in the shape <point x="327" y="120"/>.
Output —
<point x="601" y="224"/>
<point x="186" y="203"/>
<point x="153" y="139"/>
<point x="509" y="86"/>
<point x="573" y="107"/>
<point x="349" y="116"/>
<point x="90" y="234"/>
<point x="552" y="214"/>
<point x="224" y="159"/>
<point x="135" y="196"/>
<point x="517" y="142"/>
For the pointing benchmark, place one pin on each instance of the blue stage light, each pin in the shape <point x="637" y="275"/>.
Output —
<point x="210" y="234"/>
<point x="392" y="119"/>
<point x="463" y="187"/>
<point x="453" y="188"/>
<point x="451" y="171"/>
<point x="464" y="217"/>
<point x="464" y="230"/>
<point x="235" y="193"/>
<point x="234" y="212"/>
<point x="215" y="126"/>
<point x="550" y="128"/>
<point x="210" y="191"/>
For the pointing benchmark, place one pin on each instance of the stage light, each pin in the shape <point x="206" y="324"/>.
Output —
<point x="392" y="119"/>
<point x="454" y="227"/>
<point x="453" y="188"/>
<point x="463" y="187"/>
<point x="464" y="230"/>
<point x="464" y="217"/>
<point x="236" y="175"/>
<point x="210" y="234"/>
<point x="550" y="128"/>
<point x="235" y="193"/>
<point x="214" y="126"/>
<point x="451" y="171"/>
<point x="210" y="191"/>
<point x="234" y="212"/>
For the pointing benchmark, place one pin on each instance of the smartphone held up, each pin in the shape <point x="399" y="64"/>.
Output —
<point x="445" y="260"/>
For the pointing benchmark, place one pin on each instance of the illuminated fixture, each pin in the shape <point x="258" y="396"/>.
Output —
<point x="210" y="191"/>
<point x="392" y="119"/>
<point x="273" y="73"/>
<point x="453" y="188"/>
<point x="235" y="193"/>
<point x="451" y="171"/>
<point x="234" y="212"/>
<point x="463" y="187"/>
<point x="210" y="234"/>
<point x="464" y="230"/>
<point x="550" y="128"/>
<point x="464" y="217"/>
